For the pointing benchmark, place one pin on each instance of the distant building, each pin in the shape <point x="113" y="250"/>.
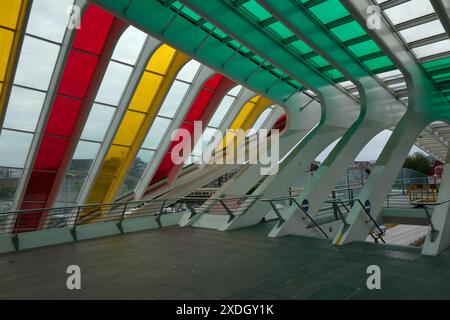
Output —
<point x="10" y="173"/>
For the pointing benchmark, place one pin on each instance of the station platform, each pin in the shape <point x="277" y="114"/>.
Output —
<point x="192" y="263"/>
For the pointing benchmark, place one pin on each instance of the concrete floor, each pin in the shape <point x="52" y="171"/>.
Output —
<point x="203" y="264"/>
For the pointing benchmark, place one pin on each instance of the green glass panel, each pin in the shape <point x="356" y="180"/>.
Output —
<point x="191" y="14"/>
<point x="258" y="59"/>
<point x="280" y="29"/>
<point x="208" y="26"/>
<point x="442" y="77"/>
<point x="235" y="44"/>
<point x="437" y="64"/>
<point x="257" y="11"/>
<point x="245" y="49"/>
<point x="348" y="31"/>
<point x="278" y="72"/>
<point x="378" y="63"/>
<point x="295" y="83"/>
<point x="319" y="61"/>
<point x="301" y="46"/>
<point x="364" y="48"/>
<point x="334" y="74"/>
<point x="329" y="11"/>
<point x="219" y="33"/>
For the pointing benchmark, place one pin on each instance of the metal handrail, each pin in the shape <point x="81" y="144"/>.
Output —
<point x="280" y="217"/>
<point x="434" y="232"/>
<point x="381" y="232"/>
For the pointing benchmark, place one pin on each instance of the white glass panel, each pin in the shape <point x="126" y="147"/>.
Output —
<point x="347" y="84"/>
<point x="188" y="72"/>
<point x="84" y="156"/>
<point x="409" y="10"/>
<point x="156" y="133"/>
<point x="423" y="31"/>
<point x="113" y="83"/>
<point x="260" y="121"/>
<point x="204" y="140"/>
<point x="221" y="111"/>
<point x="17" y="145"/>
<point x="36" y="63"/>
<point x="98" y="122"/>
<point x="49" y="18"/>
<point x="173" y="99"/>
<point x="24" y="109"/>
<point x="129" y="46"/>
<point x="235" y="91"/>
<point x="432" y="48"/>
<point x="390" y="75"/>
<point x="398" y="86"/>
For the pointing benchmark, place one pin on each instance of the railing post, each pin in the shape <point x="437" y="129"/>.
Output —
<point x="15" y="238"/>
<point x="190" y="208"/>
<point x="348" y="186"/>
<point x="372" y="219"/>
<point x="434" y="232"/>
<point x="290" y="195"/>
<point x="280" y="217"/>
<point x="344" y="220"/>
<point x="122" y="216"/>
<point x="333" y="196"/>
<point x="310" y="218"/>
<point x="229" y="212"/>
<point x="250" y="205"/>
<point x="161" y="212"/>
<point x="73" y="230"/>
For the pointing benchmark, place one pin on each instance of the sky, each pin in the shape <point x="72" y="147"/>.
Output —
<point x="371" y="151"/>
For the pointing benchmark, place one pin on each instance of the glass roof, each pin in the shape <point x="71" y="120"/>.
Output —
<point x="185" y="12"/>
<point x="418" y="25"/>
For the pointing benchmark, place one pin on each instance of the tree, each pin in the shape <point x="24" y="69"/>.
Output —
<point x="419" y="162"/>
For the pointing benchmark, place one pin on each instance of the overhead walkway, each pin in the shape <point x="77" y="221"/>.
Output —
<point x="187" y="263"/>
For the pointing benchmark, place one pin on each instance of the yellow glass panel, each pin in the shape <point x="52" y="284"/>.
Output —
<point x="9" y="13"/>
<point x="129" y="127"/>
<point x="6" y="42"/>
<point x="246" y="118"/>
<point x="99" y="191"/>
<point x="255" y="99"/>
<point x="243" y="114"/>
<point x="161" y="59"/>
<point x="148" y="98"/>
<point x="1" y="87"/>
<point x="114" y="160"/>
<point x="145" y="92"/>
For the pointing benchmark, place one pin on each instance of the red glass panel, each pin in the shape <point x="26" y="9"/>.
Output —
<point x="75" y="80"/>
<point x="199" y="105"/>
<point x="186" y="126"/>
<point x="208" y="97"/>
<point x="164" y="169"/>
<point x="28" y="221"/>
<point x="63" y="116"/>
<point x="77" y="74"/>
<point x="95" y="26"/>
<point x="280" y="124"/>
<point x="51" y="152"/>
<point x="214" y="81"/>
<point x="39" y="186"/>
